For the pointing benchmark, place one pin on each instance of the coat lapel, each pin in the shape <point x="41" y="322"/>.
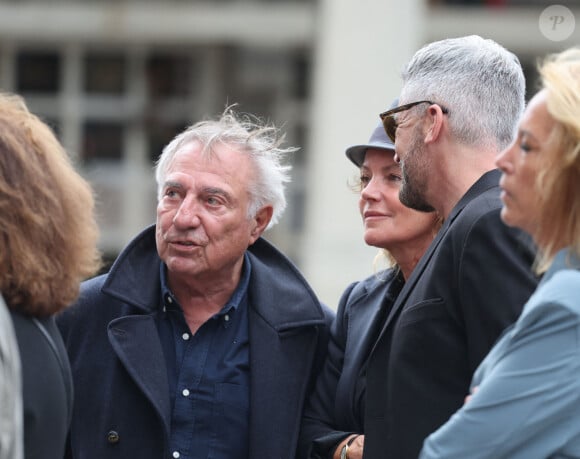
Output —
<point x="136" y="343"/>
<point x="277" y="376"/>
<point x="285" y="318"/>
<point x="367" y="322"/>
<point x="412" y="281"/>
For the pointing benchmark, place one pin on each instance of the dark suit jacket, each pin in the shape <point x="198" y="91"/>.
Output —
<point x="336" y="407"/>
<point x="122" y="400"/>
<point x="47" y="396"/>
<point x="471" y="283"/>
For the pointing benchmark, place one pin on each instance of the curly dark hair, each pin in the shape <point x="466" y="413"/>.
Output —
<point x="48" y="231"/>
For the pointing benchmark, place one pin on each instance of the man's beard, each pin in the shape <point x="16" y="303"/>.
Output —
<point x="414" y="170"/>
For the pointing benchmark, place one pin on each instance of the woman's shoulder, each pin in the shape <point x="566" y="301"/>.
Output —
<point x="562" y="288"/>
<point x="377" y="281"/>
<point x="371" y="286"/>
<point x="554" y="303"/>
<point x="561" y="283"/>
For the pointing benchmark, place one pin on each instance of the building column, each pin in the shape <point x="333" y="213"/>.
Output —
<point x="360" y="50"/>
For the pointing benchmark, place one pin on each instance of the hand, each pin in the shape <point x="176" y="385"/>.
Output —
<point x="473" y="391"/>
<point x="355" y="450"/>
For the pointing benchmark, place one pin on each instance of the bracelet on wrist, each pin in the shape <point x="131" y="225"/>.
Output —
<point x="344" y="450"/>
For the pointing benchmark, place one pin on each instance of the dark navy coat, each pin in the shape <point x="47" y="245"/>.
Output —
<point x="122" y="401"/>
<point x="336" y="407"/>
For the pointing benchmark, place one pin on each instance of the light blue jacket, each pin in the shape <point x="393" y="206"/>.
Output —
<point x="528" y="402"/>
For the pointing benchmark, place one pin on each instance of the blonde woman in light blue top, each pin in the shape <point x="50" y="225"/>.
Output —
<point x="525" y="400"/>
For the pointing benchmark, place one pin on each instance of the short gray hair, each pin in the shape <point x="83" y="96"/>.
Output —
<point x="480" y="82"/>
<point x="261" y="141"/>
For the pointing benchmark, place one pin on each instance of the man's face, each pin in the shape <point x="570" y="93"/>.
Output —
<point x="203" y="227"/>
<point x="415" y="164"/>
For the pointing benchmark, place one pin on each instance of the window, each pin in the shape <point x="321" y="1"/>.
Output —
<point x="38" y="72"/>
<point x="102" y="140"/>
<point x="104" y="73"/>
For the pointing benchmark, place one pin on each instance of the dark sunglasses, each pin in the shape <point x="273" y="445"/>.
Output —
<point x="389" y="121"/>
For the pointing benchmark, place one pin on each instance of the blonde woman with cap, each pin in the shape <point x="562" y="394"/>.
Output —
<point x="528" y="387"/>
<point x="332" y="426"/>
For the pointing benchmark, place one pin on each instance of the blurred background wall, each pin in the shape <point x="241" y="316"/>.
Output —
<point x="117" y="79"/>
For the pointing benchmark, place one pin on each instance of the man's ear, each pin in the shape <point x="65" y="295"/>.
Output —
<point x="260" y="222"/>
<point x="435" y="123"/>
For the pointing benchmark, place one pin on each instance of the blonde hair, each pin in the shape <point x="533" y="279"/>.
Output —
<point x="48" y="233"/>
<point x="558" y="184"/>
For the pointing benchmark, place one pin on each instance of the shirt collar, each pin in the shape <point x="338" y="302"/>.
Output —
<point x="168" y="300"/>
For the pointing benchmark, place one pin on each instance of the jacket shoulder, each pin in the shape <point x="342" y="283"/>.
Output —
<point x="90" y="306"/>
<point x="275" y="280"/>
<point x="375" y="282"/>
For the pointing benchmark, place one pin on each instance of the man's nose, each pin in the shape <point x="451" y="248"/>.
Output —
<point x="188" y="213"/>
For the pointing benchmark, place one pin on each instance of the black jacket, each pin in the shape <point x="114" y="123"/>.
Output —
<point x="336" y="407"/>
<point x="47" y="396"/>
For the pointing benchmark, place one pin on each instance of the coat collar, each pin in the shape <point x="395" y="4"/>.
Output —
<point x="276" y="281"/>
<point x="564" y="259"/>
<point x="134" y="279"/>
<point x="487" y="181"/>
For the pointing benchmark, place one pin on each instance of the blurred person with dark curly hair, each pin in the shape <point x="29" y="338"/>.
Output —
<point x="48" y="245"/>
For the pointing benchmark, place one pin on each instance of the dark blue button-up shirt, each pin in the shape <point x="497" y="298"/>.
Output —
<point x="208" y="376"/>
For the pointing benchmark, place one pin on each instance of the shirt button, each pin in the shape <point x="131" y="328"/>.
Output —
<point x="176" y="454"/>
<point x="185" y="336"/>
<point x="113" y="437"/>
<point x="168" y="298"/>
<point x="227" y="317"/>
<point x="185" y="392"/>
